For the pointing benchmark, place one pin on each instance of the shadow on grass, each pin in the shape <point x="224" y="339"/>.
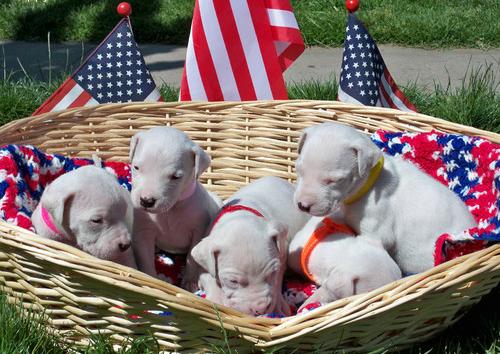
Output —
<point x="89" y="20"/>
<point x="95" y="19"/>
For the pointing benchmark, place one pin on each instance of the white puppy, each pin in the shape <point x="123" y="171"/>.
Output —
<point x="340" y="262"/>
<point x="382" y="196"/>
<point x="245" y="252"/>
<point x="173" y="210"/>
<point x="88" y="209"/>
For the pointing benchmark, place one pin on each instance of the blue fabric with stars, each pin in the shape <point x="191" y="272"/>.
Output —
<point x="116" y="71"/>
<point x="362" y="64"/>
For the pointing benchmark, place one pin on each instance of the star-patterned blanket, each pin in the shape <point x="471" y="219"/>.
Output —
<point x="469" y="166"/>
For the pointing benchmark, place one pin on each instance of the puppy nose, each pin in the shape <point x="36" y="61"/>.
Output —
<point x="148" y="202"/>
<point x="304" y="207"/>
<point x="123" y="246"/>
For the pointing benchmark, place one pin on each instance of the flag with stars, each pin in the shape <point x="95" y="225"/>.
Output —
<point x="115" y="72"/>
<point x="364" y="78"/>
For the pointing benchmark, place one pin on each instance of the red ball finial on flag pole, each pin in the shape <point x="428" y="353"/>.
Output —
<point x="124" y="9"/>
<point x="352" y="5"/>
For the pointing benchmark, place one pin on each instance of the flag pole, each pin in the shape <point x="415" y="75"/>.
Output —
<point x="352" y="5"/>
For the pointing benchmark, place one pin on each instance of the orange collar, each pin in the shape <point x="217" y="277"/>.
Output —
<point x="327" y="227"/>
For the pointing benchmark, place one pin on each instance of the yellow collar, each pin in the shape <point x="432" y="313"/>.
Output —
<point x="374" y="173"/>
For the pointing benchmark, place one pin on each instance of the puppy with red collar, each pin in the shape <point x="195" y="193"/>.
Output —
<point x="245" y="253"/>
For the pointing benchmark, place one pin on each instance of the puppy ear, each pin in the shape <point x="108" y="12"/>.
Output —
<point x="134" y="142"/>
<point x="201" y="160"/>
<point x="58" y="203"/>
<point x="205" y="253"/>
<point x="302" y="141"/>
<point x="278" y="233"/>
<point x="367" y="155"/>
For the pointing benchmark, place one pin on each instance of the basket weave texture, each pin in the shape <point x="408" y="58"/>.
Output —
<point x="78" y="295"/>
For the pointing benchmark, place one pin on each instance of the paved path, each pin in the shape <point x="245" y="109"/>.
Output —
<point x="166" y="62"/>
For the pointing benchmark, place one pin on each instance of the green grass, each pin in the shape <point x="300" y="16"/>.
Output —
<point x="476" y="103"/>
<point x="24" y="333"/>
<point x="426" y="23"/>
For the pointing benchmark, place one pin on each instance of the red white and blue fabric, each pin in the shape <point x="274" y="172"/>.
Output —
<point x="364" y="77"/>
<point x="469" y="166"/>
<point x="238" y="50"/>
<point x="114" y="72"/>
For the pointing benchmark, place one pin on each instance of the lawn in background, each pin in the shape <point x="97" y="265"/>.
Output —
<point x="418" y="23"/>
<point x="475" y="103"/>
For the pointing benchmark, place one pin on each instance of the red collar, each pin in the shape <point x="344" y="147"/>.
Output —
<point x="236" y="207"/>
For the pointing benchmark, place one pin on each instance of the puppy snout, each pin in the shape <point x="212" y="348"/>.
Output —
<point x="148" y="202"/>
<point x="304" y="207"/>
<point x="123" y="246"/>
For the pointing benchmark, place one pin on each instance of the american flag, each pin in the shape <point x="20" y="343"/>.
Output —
<point x="114" y="72"/>
<point x="364" y="77"/>
<point x="238" y="50"/>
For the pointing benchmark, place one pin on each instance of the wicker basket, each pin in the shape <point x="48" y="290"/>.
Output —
<point x="78" y="295"/>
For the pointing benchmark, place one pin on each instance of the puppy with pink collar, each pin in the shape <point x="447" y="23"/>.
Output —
<point x="88" y="209"/>
<point x="172" y="209"/>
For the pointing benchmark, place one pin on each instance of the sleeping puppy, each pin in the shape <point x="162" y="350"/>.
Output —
<point x="245" y="253"/>
<point x="382" y="196"/>
<point x="88" y="209"/>
<point x="172" y="209"/>
<point x="340" y="262"/>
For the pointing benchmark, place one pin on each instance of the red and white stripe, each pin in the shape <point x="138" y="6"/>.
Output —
<point x="68" y="95"/>
<point x="71" y="95"/>
<point x="238" y="50"/>
<point x="391" y="96"/>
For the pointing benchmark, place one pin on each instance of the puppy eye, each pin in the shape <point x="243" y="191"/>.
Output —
<point x="177" y="175"/>
<point x="96" y="220"/>
<point x="136" y="167"/>
<point x="232" y="283"/>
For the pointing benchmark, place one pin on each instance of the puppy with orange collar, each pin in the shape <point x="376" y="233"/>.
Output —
<point x="341" y="263"/>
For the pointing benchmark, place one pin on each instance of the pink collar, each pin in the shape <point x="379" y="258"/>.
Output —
<point x="47" y="219"/>
<point x="189" y="191"/>
<point x="232" y="208"/>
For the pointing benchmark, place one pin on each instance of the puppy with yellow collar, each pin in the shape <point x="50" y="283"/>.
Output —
<point x="381" y="196"/>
